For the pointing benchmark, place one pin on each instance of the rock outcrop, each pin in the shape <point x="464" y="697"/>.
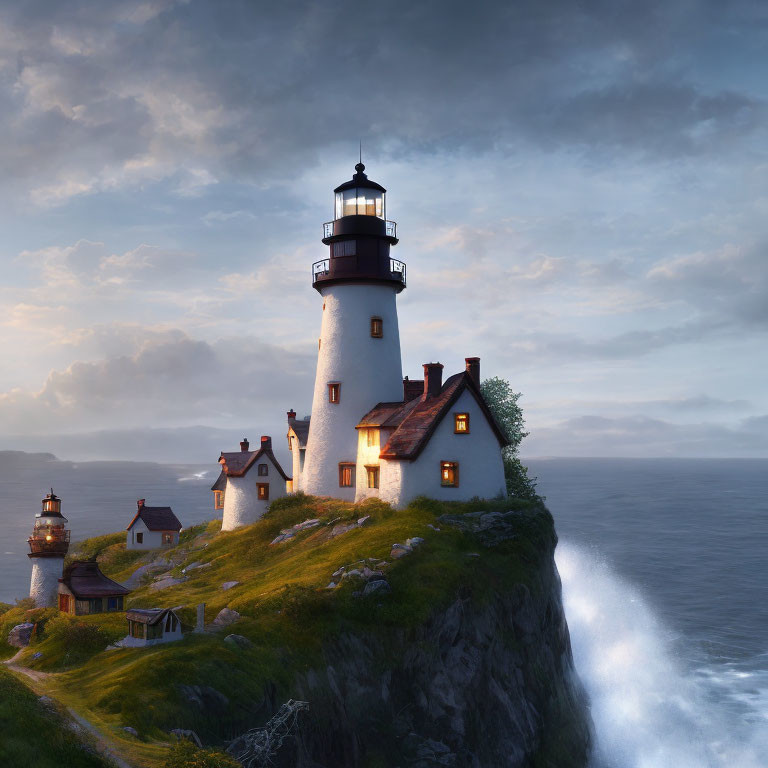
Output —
<point x="487" y="682"/>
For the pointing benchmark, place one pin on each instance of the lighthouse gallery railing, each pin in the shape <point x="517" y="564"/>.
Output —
<point x="323" y="267"/>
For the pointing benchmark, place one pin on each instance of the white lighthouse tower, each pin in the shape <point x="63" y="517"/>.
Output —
<point x="48" y="546"/>
<point x="358" y="362"/>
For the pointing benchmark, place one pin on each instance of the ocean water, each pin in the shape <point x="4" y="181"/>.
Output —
<point x="664" y="565"/>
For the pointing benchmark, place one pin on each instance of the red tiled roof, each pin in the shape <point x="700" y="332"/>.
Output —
<point x="237" y="463"/>
<point x="157" y="519"/>
<point x="85" y="579"/>
<point x="417" y="420"/>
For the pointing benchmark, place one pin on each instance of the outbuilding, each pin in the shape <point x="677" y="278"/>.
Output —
<point x="151" y="626"/>
<point x="152" y="528"/>
<point x="84" y="589"/>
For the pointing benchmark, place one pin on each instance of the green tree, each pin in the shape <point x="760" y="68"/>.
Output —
<point x="504" y="406"/>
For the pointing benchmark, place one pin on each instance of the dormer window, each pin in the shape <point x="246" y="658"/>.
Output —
<point x="263" y="470"/>
<point x="372" y="437"/>
<point x="449" y="474"/>
<point x="377" y="327"/>
<point x="461" y="423"/>
<point x="334" y="393"/>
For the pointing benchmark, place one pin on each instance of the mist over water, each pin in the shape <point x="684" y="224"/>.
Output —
<point x="654" y="704"/>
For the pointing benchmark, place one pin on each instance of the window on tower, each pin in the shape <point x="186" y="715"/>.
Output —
<point x="334" y="393"/>
<point x="362" y="201"/>
<point x="346" y="474"/>
<point x="377" y="327"/>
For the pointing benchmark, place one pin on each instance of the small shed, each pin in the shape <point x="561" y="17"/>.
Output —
<point x="151" y="626"/>
<point x="152" y="528"/>
<point x="84" y="589"/>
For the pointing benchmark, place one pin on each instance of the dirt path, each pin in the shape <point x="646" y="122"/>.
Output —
<point x="102" y="744"/>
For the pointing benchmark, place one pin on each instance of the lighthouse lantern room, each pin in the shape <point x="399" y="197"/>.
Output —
<point x="48" y="546"/>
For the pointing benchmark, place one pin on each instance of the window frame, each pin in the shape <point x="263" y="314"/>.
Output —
<point x="452" y="466"/>
<point x="262" y="491"/>
<point x="265" y="467"/>
<point x="344" y="466"/>
<point x="140" y="537"/>
<point x="334" y="392"/>
<point x="377" y="327"/>
<point x="218" y="499"/>
<point x="375" y="469"/>
<point x="456" y="417"/>
<point x="372" y="437"/>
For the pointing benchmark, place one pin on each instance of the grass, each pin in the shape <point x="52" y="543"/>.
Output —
<point x="287" y="613"/>
<point x="34" y="735"/>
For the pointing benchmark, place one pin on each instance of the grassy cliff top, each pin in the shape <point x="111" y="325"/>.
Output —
<point x="287" y="612"/>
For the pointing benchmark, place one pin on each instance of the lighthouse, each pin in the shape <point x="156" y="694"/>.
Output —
<point x="48" y="546"/>
<point x="358" y="359"/>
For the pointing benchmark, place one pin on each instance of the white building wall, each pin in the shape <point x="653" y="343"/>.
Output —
<point x="150" y="539"/>
<point x="241" y="503"/>
<point x="140" y="642"/>
<point x="368" y="455"/>
<point x="368" y="369"/>
<point x="44" y="586"/>
<point x="297" y="463"/>
<point x="481" y="468"/>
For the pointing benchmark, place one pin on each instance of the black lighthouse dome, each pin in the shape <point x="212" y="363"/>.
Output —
<point x="359" y="237"/>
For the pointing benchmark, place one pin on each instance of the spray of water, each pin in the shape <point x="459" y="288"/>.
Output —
<point x="651" y="707"/>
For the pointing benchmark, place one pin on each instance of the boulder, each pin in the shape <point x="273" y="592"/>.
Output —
<point x="229" y="584"/>
<point x="239" y="641"/>
<point x="47" y="701"/>
<point x="131" y="731"/>
<point x="414" y="542"/>
<point x="363" y="520"/>
<point x="307" y="524"/>
<point x="377" y="587"/>
<point x="331" y="585"/>
<point x="341" y="528"/>
<point x="400" y="550"/>
<point x="282" y="538"/>
<point x="225" y="617"/>
<point x="165" y="583"/>
<point x="19" y="636"/>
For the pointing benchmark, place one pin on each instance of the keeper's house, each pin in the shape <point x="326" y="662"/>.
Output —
<point x="152" y="528"/>
<point x="84" y="589"/>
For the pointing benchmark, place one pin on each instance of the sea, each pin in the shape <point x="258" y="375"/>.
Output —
<point x="663" y="562"/>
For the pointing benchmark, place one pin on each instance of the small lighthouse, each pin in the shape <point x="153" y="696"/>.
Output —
<point x="48" y="546"/>
<point x="358" y="359"/>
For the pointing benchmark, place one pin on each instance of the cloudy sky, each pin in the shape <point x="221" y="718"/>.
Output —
<point x="581" y="191"/>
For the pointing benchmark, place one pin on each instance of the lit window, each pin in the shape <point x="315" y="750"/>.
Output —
<point x="373" y="477"/>
<point x="167" y="539"/>
<point x="334" y="393"/>
<point x="262" y="491"/>
<point x="346" y="475"/>
<point x="377" y="327"/>
<point x="289" y="486"/>
<point x="461" y="423"/>
<point x="218" y="499"/>
<point x="372" y="437"/>
<point x="263" y="470"/>
<point x="449" y="474"/>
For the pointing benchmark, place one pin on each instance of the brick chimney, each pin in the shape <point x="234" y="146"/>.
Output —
<point x="473" y="368"/>
<point x="412" y="388"/>
<point x="291" y="415"/>
<point x="433" y="379"/>
<point x="140" y="504"/>
<point x="244" y="444"/>
<point x="266" y="442"/>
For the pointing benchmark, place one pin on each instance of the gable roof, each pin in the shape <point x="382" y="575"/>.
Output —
<point x="416" y="420"/>
<point x="221" y="482"/>
<point x="85" y="579"/>
<point x="237" y="463"/>
<point x="149" y="616"/>
<point x="156" y="519"/>
<point x="300" y="428"/>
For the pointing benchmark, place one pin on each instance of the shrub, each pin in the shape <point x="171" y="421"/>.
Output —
<point x="184" y="754"/>
<point x="77" y="640"/>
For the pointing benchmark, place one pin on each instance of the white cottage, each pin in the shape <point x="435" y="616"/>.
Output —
<point x="249" y="480"/>
<point x="151" y="626"/>
<point x="373" y="433"/>
<point x="152" y="528"/>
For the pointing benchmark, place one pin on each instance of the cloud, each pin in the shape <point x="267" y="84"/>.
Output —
<point x="639" y="437"/>
<point x="171" y="380"/>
